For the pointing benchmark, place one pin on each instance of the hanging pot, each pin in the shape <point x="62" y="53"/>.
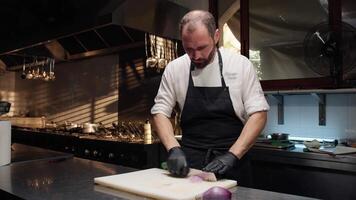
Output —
<point x="151" y="62"/>
<point x="279" y="136"/>
<point x="162" y="62"/>
<point x="29" y="74"/>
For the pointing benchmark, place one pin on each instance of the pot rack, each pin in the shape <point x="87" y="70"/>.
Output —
<point x="159" y="51"/>
<point x="39" y="62"/>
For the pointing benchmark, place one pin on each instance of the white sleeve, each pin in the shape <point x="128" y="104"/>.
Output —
<point x="166" y="96"/>
<point x="252" y="93"/>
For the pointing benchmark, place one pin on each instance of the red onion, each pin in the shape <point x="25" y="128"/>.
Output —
<point x="217" y="193"/>
<point x="196" y="179"/>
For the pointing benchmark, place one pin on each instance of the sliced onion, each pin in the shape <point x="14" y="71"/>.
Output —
<point x="217" y="193"/>
<point x="196" y="179"/>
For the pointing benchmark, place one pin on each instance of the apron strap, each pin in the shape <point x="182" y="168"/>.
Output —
<point x="221" y="70"/>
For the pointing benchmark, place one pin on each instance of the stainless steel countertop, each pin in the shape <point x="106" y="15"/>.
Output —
<point x="296" y="156"/>
<point x="67" y="177"/>
<point x="56" y="178"/>
<point x="26" y="153"/>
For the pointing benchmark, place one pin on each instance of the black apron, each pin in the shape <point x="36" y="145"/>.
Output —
<point x="209" y="124"/>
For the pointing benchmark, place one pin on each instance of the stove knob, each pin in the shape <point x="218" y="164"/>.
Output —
<point x="73" y="149"/>
<point x="66" y="148"/>
<point x="95" y="153"/>
<point x="111" y="155"/>
<point x="86" y="152"/>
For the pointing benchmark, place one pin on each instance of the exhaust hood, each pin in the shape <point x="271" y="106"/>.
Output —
<point x="68" y="30"/>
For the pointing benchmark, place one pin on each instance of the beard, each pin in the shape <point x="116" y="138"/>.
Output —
<point x="204" y="62"/>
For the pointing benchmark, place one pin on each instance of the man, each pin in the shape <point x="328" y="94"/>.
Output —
<point x="223" y="105"/>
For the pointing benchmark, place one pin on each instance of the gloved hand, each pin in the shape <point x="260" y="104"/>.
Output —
<point x="221" y="164"/>
<point x="177" y="163"/>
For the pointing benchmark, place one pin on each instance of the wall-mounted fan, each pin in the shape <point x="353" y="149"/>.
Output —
<point x="321" y="47"/>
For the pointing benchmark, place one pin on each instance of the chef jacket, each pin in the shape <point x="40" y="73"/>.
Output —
<point x="240" y="76"/>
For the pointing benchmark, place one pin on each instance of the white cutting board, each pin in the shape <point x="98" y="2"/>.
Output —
<point x="156" y="183"/>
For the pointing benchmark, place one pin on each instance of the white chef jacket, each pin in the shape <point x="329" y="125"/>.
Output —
<point x="239" y="74"/>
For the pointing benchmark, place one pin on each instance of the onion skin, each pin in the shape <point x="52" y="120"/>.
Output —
<point x="216" y="193"/>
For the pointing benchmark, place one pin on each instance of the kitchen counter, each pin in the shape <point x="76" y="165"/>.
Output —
<point x="136" y="155"/>
<point x="294" y="171"/>
<point x="156" y="153"/>
<point x="290" y="171"/>
<point x="72" y="178"/>
<point x="26" y="153"/>
<point x="296" y="156"/>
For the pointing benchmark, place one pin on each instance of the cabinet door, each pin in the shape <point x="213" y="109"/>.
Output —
<point x="302" y="180"/>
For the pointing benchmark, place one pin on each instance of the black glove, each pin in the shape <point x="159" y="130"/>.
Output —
<point x="221" y="164"/>
<point x="177" y="163"/>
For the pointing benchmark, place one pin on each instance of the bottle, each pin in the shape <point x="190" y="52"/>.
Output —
<point x="147" y="132"/>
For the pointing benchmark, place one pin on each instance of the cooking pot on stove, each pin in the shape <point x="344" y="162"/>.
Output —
<point x="90" y="128"/>
<point x="279" y="136"/>
<point x="70" y="126"/>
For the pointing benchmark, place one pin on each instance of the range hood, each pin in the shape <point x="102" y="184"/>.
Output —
<point x="68" y="30"/>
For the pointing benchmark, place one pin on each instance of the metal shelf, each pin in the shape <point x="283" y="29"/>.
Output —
<point x="318" y="94"/>
<point x="318" y="91"/>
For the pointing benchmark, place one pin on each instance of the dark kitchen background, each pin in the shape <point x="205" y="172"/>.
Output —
<point x="94" y="85"/>
<point x="90" y="86"/>
<point x="101" y="75"/>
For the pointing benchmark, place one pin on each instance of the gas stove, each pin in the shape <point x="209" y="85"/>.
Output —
<point x="121" y="143"/>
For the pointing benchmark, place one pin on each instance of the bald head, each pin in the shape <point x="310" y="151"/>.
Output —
<point x="193" y="19"/>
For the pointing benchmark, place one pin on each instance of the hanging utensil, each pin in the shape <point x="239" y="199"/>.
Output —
<point x="162" y="62"/>
<point x="152" y="61"/>
<point x="45" y="74"/>
<point x="146" y="45"/>
<point x="35" y="72"/>
<point x="23" y="75"/>
<point x="171" y="51"/>
<point x="30" y="72"/>
<point x="148" y="58"/>
<point x="41" y="70"/>
<point x="51" y="72"/>
<point x="176" y="50"/>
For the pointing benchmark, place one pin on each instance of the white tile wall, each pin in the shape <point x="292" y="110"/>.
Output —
<point x="301" y="116"/>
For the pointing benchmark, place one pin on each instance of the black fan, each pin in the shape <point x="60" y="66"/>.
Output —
<point x="322" y="46"/>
